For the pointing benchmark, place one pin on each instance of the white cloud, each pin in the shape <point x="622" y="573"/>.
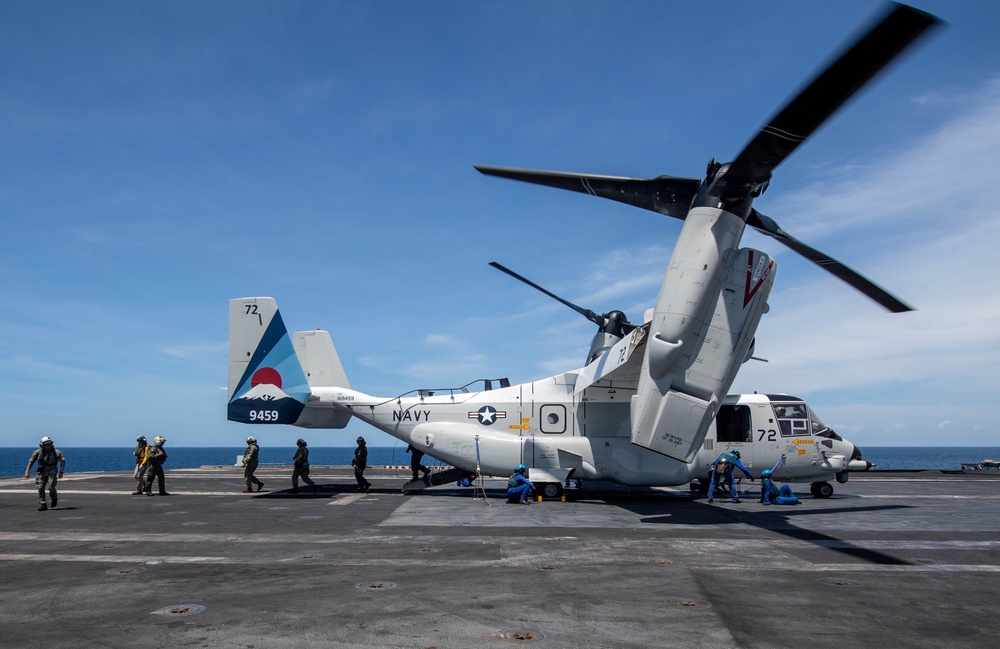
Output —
<point x="928" y="229"/>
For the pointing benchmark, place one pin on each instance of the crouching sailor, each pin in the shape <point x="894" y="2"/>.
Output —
<point x="769" y="492"/>
<point x="519" y="488"/>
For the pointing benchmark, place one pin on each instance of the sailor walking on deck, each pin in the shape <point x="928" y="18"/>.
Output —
<point x="140" y="453"/>
<point x="47" y="456"/>
<point x="300" y="462"/>
<point x="360" y="463"/>
<point x="155" y="458"/>
<point x="250" y="462"/>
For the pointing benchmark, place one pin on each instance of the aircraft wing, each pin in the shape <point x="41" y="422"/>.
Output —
<point x="620" y="363"/>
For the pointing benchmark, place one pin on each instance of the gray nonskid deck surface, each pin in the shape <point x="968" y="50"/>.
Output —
<point x="907" y="559"/>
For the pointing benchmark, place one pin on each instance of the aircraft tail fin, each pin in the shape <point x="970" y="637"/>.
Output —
<point x="267" y="384"/>
<point x="319" y="359"/>
<point x="323" y="370"/>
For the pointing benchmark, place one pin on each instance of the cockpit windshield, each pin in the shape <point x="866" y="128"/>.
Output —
<point x="820" y="429"/>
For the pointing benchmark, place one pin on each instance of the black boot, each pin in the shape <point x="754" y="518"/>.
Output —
<point x="260" y="485"/>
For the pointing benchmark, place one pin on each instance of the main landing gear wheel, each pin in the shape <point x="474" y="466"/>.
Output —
<point x="551" y="490"/>
<point x="821" y="489"/>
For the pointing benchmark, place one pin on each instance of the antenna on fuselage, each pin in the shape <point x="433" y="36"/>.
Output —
<point x="477" y="485"/>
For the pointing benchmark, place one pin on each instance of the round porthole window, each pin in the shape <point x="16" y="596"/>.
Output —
<point x="553" y="418"/>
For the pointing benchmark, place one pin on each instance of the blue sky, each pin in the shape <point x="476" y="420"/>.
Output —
<point x="162" y="158"/>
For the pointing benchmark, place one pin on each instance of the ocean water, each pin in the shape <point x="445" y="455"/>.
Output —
<point x="902" y="458"/>
<point x="13" y="460"/>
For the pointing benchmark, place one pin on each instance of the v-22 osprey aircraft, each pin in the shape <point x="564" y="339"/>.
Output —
<point x="650" y="405"/>
<point x="574" y="424"/>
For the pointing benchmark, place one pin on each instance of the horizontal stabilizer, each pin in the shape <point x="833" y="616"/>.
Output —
<point x="323" y="418"/>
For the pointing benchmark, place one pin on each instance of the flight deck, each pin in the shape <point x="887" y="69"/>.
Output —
<point x="893" y="559"/>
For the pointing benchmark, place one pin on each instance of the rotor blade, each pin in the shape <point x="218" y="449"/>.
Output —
<point x="668" y="195"/>
<point x="766" y="225"/>
<point x="587" y="313"/>
<point x="812" y="106"/>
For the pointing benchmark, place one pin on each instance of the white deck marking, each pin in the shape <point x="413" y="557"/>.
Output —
<point x="347" y="499"/>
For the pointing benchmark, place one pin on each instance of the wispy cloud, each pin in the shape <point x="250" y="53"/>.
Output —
<point x="823" y="337"/>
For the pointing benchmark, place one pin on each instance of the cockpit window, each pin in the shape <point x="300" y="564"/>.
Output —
<point x="793" y="418"/>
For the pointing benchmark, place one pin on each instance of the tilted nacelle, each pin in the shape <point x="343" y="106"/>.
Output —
<point x="695" y="350"/>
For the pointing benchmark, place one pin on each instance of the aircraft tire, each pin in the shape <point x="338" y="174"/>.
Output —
<point x="821" y="489"/>
<point x="550" y="489"/>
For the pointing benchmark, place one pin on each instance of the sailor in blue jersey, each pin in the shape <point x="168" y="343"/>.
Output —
<point x="770" y="493"/>
<point x="723" y="468"/>
<point x="519" y="488"/>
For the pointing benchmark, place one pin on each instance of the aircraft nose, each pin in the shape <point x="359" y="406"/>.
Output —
<point x="857" y="463"/>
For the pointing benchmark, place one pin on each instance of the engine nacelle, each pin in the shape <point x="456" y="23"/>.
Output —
<point x="671" y="412"/>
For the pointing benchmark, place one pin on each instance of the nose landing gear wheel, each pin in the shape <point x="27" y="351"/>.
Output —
<point x="821" y="489"/>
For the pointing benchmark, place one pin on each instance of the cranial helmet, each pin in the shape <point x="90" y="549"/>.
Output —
<point x="140" y="438"/>
<point x="736" y="453"/>
<point x="251" y="440"/>
<point x="521" y="468"/>
<point x="45" y="440"/>
<point x="159" y="441"/>
<point x="360" y="440"/>
<point x="300" y="442"/>
<point x="766" y="473"/>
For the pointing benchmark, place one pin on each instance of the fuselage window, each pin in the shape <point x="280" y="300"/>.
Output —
<point x="552" y="417"/>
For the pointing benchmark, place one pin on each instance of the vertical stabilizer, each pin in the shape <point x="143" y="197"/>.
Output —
<point x="266" y="381"/>
<point x="323" y="369"/>
<point x="320" y="360"/>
